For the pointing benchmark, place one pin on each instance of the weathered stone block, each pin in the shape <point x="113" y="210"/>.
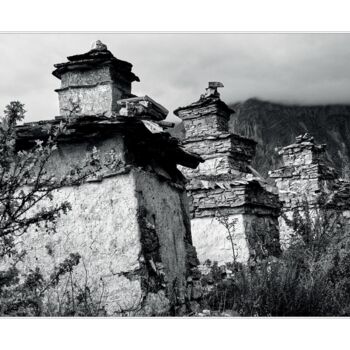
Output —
<point x="222" y="184"/>
<point x="94" y="82"/>
<point x="205" y="125"/>
<point x="210" y="239"/>
<point x="305" y="182"/>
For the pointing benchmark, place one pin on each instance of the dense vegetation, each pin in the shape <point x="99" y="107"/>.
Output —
<point x="24" y="182"/>
<point x="310" y="278"/>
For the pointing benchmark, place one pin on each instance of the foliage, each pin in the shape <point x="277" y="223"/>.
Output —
<point x="310" y="278"/>
<point x="25" y="297"/>
<point x="25" y="182"/>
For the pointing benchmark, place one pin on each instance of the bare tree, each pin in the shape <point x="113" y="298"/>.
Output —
<point x="230" y="226"/>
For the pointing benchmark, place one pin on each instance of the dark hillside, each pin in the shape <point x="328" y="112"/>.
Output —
<point x="274" y="125"/>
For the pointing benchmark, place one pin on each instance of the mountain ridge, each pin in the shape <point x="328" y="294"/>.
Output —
<point x="275" y="125"/>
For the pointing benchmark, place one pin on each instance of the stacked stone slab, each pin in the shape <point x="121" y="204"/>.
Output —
<point x="130" y="221"/>
<point x="306" y="181"/>
<point x="97" y="79"/>
<point x="225" y="186"/>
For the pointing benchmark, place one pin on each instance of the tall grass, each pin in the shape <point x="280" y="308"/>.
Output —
<point x="310" y="278"/>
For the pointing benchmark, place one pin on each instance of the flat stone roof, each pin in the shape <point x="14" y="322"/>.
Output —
<point x="205" y="102"/>
<point x="85" y="127"/>
<point x="92" y="59"/>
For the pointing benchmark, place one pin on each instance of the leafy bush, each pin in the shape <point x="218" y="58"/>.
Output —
<point x="24" y="182"/>
<point x="310" y="278"/>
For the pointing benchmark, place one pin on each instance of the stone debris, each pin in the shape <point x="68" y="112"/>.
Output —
<point x="143" y="107"/>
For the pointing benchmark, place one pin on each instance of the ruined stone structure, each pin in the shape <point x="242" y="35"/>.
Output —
<point x="226" y="186"/>
<point x="130" y="221"/>
<point x="95" y="80"/>
<point x="306" y="182"/>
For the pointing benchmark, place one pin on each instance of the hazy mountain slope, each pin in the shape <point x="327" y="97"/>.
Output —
<point x="274" y="125"/>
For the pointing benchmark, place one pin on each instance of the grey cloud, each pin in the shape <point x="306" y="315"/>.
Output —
<point x="175" y="68"/>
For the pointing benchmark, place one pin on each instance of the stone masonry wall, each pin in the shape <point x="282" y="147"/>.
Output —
<point x="130" y="224"/>
<point x="129" y="221"/>
<point x="95" y="91"/>
<point x="207" y="125"/>
<point x="236" y="146"/>
<point x="254" y="237"/>
<point x="225" y="185"/>
<point x="166" y="210"/>
<point x="94" y="77"/>
<point x="224" y="154"/>
<point x="307" y="182"/>
<point x="130" y="230"/>
<point x="103" y="228"/>
<point x="210" y="238"/>
<point x="97" y="100"/>
<point x="70" y="154"/>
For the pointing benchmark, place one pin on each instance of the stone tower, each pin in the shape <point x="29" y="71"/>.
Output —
<point x="225" y="186"/>
<point x="306" y="179"/>
<point x="95" y="81"/>
<point x="130" y="221"/>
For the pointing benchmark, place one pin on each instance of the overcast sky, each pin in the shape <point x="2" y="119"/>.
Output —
<point x="174" y="68"/>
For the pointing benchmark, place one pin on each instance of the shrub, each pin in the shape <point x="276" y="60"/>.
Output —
<point x="310" y="278"/>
